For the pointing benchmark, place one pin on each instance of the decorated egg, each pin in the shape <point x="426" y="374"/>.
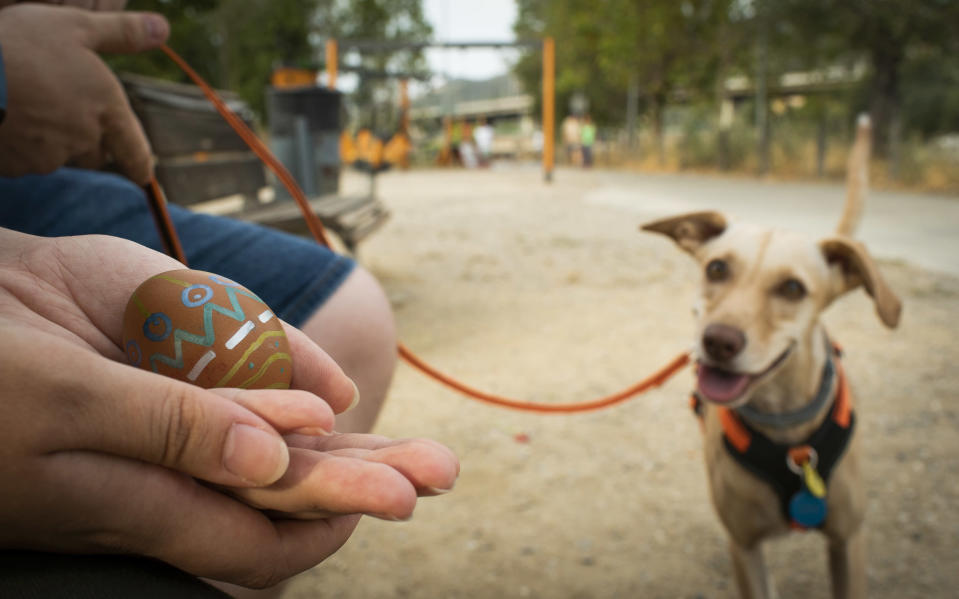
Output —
<point x="204" y="329"/>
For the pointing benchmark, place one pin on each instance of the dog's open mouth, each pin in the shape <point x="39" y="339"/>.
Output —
<point x="723" y="386"/>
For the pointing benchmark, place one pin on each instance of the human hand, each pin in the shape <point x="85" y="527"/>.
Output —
<point x="346" y="473"/>
<point x="64" y="105"/>
<point x="97" y="456"/>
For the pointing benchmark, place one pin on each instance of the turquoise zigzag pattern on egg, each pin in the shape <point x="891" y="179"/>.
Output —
<point x="179" y="335"/>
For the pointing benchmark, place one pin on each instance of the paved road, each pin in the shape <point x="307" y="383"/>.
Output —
<point x="921" y="229"/>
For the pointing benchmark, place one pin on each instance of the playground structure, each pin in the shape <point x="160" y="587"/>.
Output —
<point x="334" y="47"/>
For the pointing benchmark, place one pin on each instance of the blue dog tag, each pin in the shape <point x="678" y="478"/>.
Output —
<point x="807" y="510"/>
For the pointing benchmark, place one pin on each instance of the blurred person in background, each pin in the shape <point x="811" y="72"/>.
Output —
<point x="483" y="136"/>
<point x="572" y="138"/>
<point x="587" y="140"/>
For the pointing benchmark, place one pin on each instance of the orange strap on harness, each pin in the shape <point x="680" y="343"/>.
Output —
<point x="739" y="436"/>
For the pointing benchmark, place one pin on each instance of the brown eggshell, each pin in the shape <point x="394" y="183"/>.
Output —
<point x="207" y="330"/>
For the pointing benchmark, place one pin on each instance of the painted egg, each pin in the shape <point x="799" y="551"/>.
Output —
<point x="204" y="329"/>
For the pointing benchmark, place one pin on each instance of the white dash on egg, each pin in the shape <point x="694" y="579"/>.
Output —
<point x="240" y="335"/>
<point x="200" y="365"/>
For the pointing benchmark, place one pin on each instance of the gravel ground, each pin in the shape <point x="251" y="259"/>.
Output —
<point x="549" y="293"/>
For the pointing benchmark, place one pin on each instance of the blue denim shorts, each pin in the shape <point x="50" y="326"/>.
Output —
<point x="294" y="276"/>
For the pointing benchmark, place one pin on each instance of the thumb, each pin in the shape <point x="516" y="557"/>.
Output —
<point x="157" y="419"/>
<point x="124" y="32"/>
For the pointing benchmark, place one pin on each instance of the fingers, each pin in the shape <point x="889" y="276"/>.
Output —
<point x="123" y="32"/>
<point x="133" y="413"/>
<point x="315" y="371"/>
<point x="346" y="475"/>
<point x="424" y="463"/>
<point x="123" y="137"/>
<point x="431" y="467"/>
<point x="132" y="507"/>
<point x="125" y="140"/>
<point x="287" y="411"/>
<point x="328" y="484"/>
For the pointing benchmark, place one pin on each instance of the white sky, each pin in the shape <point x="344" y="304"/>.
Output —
<point x="462" y="21"/>
<point x="470" y="21"/>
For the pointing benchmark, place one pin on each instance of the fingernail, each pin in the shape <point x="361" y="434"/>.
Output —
<point x="356" y="397"/>
<point x="438" y="491"/>
<point x="391" y="517"/>
<point x="313" y="431"/>
<point x="255" y="455"/>
<point x="157" y="28"/>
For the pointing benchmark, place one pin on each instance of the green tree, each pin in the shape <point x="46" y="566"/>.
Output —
<point x="192" y="35"/>
<point x="668" y="48"/>
<point x="379" y="20"/>
<point x="236" y="44"/>
<point x="256" y="36"/>
<point x="890" y="35"/>
<point x="577" y="30"/>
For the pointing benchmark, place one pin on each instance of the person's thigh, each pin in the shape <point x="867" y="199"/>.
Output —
<point x="294" y="276"/>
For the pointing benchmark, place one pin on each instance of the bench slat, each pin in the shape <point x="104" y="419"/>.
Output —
<point x="200" y="158"/>
<point x="188" y="183"/>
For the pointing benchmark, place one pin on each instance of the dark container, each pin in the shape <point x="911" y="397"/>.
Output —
<point x="305" y="136"/>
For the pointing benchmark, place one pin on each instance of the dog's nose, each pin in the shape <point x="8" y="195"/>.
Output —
<point x="723" y="342"/>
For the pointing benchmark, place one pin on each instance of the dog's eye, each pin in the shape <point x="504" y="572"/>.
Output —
<point x="792" y="289"/>
<point x="717" y="270"/>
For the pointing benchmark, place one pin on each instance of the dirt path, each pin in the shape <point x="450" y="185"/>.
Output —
<point x="549" y="293"/>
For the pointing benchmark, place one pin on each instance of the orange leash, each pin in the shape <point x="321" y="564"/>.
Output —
<point x="172" y="243"/>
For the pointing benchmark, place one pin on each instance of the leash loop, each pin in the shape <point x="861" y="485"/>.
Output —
<point x="797" y="457"/>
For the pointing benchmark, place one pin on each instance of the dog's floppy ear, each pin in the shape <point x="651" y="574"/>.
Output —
<point x="689" y="231"/>
<point x="857" y="268"/>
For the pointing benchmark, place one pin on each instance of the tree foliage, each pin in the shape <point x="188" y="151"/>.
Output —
<point x="236" y="44"/>
<point x="681" y="50"/>
<point x="895" y="39"/>
<point x="664" y="47"/>
<point x="382" y="20"/>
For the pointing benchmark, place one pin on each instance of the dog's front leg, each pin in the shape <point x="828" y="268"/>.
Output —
<point x="847" y="566"/>
<point x="750" y="569"/>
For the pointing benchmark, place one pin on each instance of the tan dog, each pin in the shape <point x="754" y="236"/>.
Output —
<point x="771" y="384"/>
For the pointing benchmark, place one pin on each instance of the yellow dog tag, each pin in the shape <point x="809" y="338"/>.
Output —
<point x="813" y="481"/>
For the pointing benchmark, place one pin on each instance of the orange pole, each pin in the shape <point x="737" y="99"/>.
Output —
<point x="549" y="107"/>
<point x="331" y="63"/>
<point x="404" y="106"/>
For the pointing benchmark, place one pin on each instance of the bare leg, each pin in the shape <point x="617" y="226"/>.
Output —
<point x="847" y="566"/>
<point x="750" y="569"/>
<point x="355" y="327"/>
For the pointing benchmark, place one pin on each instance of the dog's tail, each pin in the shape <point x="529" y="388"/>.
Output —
<point x="857" y="177"/>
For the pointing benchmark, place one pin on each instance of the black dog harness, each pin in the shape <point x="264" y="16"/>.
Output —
<point x="798" y="473"/>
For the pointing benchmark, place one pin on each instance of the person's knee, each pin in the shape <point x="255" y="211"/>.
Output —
<point x="356" y="327"/>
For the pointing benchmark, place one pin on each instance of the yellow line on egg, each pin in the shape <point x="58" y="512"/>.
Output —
<point x="253" y="347"/>
<point x="143" y="309"/>
<point x="245" y="384"/>
<point x="172" y="280"/>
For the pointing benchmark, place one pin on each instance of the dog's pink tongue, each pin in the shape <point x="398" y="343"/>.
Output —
<point x="721" y="386"/>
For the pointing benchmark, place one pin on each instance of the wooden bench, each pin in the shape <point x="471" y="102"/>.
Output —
<point x="201" y="159"/>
